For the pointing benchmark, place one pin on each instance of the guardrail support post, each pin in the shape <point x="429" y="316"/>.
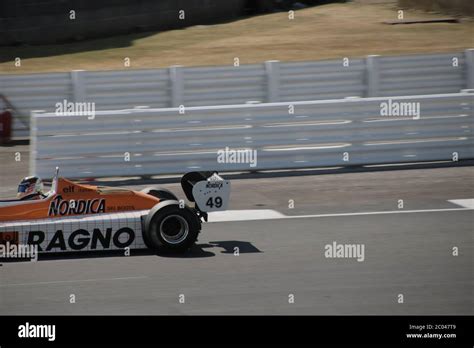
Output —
<point x="469" y="58"/>
<point x="272" y="71"/>
<point x="372" y="75"/>
<point x="177" y="85"/>
<point x="33" y="147"/>
<point x="78" y="86"/>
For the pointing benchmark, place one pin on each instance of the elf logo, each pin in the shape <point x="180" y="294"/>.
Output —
<point x="69" y="189"/>
<point x="82" y="239"/>
<point x="76" y="207"/>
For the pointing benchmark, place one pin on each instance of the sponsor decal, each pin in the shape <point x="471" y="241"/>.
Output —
<point x="214" y="184"/>
<point x="28" y="330"/>
<point x="125" y="207"/>
<point x="69" y="189"/>
<point x="81" y="239"/>
<point x="60" y="207"/>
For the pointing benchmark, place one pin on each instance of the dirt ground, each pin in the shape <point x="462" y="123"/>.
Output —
<point x="350" y="29"/>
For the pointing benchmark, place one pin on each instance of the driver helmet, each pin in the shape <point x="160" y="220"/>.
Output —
<point x="30" y="186"/>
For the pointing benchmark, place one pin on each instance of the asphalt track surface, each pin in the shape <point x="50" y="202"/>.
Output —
<point x="408" y="251"/>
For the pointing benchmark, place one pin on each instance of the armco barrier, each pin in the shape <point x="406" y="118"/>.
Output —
<point x="272" y="81"/>
<point x="340" y="132"/>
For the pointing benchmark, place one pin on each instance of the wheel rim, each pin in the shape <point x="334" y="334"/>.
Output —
<point x="174" y="229"/>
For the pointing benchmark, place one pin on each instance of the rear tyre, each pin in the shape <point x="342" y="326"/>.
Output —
<point x="172" y="229"/>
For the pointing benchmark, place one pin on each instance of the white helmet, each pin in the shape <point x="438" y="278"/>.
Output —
<point x="30" y="186"/>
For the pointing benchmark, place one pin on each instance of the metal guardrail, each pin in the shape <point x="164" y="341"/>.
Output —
<point x="272" y="81"/>
<point x="352" y="131"/>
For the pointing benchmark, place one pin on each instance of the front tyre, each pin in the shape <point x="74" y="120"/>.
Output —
<point x="172" y="229"/>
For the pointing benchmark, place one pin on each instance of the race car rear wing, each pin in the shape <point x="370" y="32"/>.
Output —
<point x="208" y="190"/>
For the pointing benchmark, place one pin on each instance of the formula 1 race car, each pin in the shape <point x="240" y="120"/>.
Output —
<point x="78" y="217"/>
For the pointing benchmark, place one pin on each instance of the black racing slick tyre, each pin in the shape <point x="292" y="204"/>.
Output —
<point x="172" y="229"/>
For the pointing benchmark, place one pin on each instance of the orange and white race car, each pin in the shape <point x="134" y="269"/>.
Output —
<point x="78" y="217"/>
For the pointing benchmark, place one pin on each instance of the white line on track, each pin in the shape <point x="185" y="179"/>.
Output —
<point x="378" y="213"/>
<point x="245" y="215"/>
<point x="270" y="214"/>
<point x="465" y="203"/>
<point x="71" y="281"/>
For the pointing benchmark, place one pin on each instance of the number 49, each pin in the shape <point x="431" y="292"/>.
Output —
<point x="217" y="202"/>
